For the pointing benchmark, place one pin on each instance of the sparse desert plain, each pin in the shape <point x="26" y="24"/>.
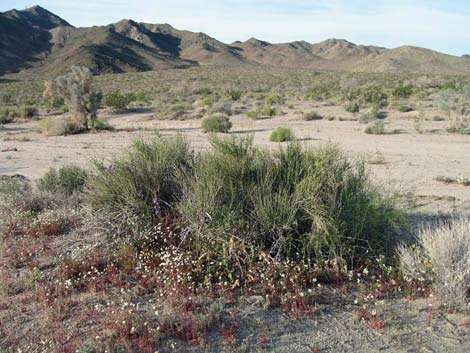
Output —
<point x="161" y="191"/>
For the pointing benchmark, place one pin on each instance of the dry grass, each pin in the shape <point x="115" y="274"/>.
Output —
<point x="441" y="256"/>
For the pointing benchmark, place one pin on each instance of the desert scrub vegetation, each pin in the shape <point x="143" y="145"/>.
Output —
<point x="441" y="259"/>
<point x="281" y="134"/>
<point x="157" y="244"/>
<point x="82" y="99"/>
<point x="377" y="127"/>
<point x="216" y="123"/>
<point x="309" y="116"/>
<point x="67" y="179"/>
<point x="352" y="107"/>
<point x="279" y="203"/>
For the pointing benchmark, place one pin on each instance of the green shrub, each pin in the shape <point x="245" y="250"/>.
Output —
<point x="7" y="114"/>
<point x="121" y="101"/>
<point x="27" y="111"/>
<point x="352" y="107"/>
<point x="281" y="134"/>
<point x="254" y="114"/>
<point x="67" y="180"/>
<point x="312" y="116"/>
<point x="403" y="91"/>
<point x="140" y="187"/>
<point x="100" y="124"/>
<point x="376" y="127"/>
<point x="235" y="94"/>
<point x="274" y="98"/>
<point x="296" y="203"/>
<point x="268" y="110"/>
<point x="404" y="108"/>
<point x="216" y="123"/>
<point x="221" y="107"/>
<point x="371" y="115"/>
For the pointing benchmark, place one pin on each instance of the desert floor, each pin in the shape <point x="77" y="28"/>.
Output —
<point x="403" y="161"/>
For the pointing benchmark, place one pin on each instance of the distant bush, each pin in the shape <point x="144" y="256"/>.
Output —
<point x="274" y="98"/>
<point x="216" y="123"/>
<point x="268" y="110"/>
<point x="312" y="116"/>
<point x="100" y="124"/>
<point x="56" y="126"/>
<point x="403" y="91"/>
<point x="376" y="127"/>
<point x="121" y="101"/>
<point x="254" y="114"/>
<point x="235" y="94"/>
<point x="67" y="180"/>
<point x="281" y="134"/>
<point x="222" y="107"/>
<point x="7" y="115"/>
<point x="372" y="114"/>
<point x="81" y="97"/>
<point x="404" y="108"/>
<point x="352" y="107"/>
<point x="441" y="258"/>
<point x="27" y="111"/>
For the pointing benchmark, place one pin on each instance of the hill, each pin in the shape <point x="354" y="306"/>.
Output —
<point x="36" y="42"/>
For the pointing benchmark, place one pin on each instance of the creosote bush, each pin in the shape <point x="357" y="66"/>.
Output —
<point x="281" y="134"/>
<point x="353" y="107"/>
<point x="216" y="123"/>
<point x="376" y="127"/>
<point x="237" y="201"/>
<point x="312" y="116"/>
<point x="67" y="180"/>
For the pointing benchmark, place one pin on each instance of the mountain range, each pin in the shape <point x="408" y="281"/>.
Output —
<point x="37" y="42"/>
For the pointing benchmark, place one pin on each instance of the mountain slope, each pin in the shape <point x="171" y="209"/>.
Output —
<point x="40" y="43"/>
<point x="25" y="37"/>
<point x="409" y="59"/>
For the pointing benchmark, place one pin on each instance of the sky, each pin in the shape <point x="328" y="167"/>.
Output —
<point x="440" y="25"/>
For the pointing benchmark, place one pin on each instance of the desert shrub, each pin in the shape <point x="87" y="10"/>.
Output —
<point x="222" y="107"/>
<point x="67" y="180"/>
<point x="297" y="203"/>
<point x="254" y="114"/>
<point x="438" y="118"/>
<point x="135" y="191"/>
<point x="100" y="124"/>
<point x="55" y="126"/>
<point x="441" y="257"/>
<point x="352" y="107"/>
<point x="312" y="116"/>
<point x="404" y="108"/>
<point x="376" y="127"/>
<point x="403" y="91"/>
<point x="268" y="110"/>
<point x="281" y="134"/>
<point x="216" y="123"/>
<point x="81" y="97"/>
<point x="274" y="98"/>
<point x="27" y="111"/>
<point x="371" y="115"/>
<point x="7" y="114"/>
<point x="121" y="101"/>
<point x="235" y="94"/>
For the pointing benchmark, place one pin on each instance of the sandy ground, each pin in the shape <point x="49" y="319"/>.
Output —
<point x="403" y="161"/>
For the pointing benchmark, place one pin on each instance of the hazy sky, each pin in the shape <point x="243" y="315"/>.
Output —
<point x="440" y="25"/>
